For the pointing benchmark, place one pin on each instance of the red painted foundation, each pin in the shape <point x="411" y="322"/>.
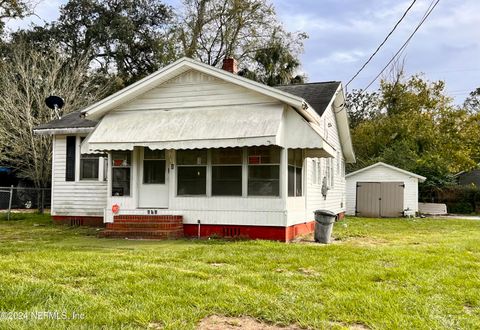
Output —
<point x="282" y="234"/>
<point x="78" y="221"/>
<point x="169" y="227"/>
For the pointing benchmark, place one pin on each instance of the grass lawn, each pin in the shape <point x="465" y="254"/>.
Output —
<point x="382" y="274"/>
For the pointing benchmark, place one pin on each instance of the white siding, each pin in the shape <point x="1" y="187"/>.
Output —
<point x="383" y="174"/>
<point x="194" y="89"/>
<point x="81" y="198"/>
<point x="313" y="199"/>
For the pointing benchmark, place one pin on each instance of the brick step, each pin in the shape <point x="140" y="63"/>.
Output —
<point x="145" y="225"/>
<point x="143" y="230"/>
<point x="142" y="234"/>
<point x="149" y="220"/>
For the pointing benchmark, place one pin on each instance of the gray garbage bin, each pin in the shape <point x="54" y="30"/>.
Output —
<point x="324" y="220"/>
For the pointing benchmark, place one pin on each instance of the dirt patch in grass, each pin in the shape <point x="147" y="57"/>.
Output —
<point x="216" y="322"/>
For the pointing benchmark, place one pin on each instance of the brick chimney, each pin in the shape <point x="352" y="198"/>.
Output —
<point x="230" y="65"/>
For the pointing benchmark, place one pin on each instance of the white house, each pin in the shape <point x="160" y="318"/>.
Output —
<point x="195" y="150"/>
<point x="382" y="190"/>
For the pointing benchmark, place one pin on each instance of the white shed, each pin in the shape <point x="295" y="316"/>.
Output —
<point x="382" y="190"/>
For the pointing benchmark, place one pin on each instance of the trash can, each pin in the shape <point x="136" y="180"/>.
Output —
<point x="324" y="220"/>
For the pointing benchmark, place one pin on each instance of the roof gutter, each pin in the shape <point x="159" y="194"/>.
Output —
<point x="62" y="131"/>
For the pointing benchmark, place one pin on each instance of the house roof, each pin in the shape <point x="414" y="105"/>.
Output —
<point x="97" y="110"/>
<point x="71" y="120"/>
<point x="298" y="97"/>
<point x="317" y="94"/>
<point x="419" y="177"/>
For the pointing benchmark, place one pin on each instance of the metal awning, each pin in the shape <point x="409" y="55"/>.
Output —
<point x="194" y="128"/>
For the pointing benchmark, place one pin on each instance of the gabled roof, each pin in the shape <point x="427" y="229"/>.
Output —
<point x="317" y="94"/>
<point x="419" y="177"/>
<point x="97" y="110"/>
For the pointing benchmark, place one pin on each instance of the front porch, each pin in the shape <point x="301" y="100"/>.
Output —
<point x="241" y="192"/>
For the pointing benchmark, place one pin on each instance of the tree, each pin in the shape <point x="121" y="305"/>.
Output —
<point x="275" y="64"/>
<point x="362" y="106"/>
<point x="13" y="9"/>
<point x="419" y="130"/>
<point x="247" y="30"/>
<point x="128" y="38"/>
<point x="472" y="102"/>
<point x="27" y="78"/>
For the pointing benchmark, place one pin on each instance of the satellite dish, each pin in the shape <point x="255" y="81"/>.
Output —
<point x="55" y="103"/>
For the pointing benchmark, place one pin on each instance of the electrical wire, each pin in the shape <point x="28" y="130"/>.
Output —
<point x="425" y="16"/>
<point x="381" y="44"/>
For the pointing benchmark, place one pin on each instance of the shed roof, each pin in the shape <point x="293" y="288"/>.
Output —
<point x="71" y="120"/>
<point x="317" y="94"/>
<point x="419" y="177"/>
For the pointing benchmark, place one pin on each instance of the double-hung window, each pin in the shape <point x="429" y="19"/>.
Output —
<point x="227" y="172"/>
<point x="264" y="171"/>
<point x="295" y="161"/>
<point x="192" y="172"/>
<point x="121" y="168"/>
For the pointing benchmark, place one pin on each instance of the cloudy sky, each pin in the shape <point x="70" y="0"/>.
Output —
<point x="344" y="33"/>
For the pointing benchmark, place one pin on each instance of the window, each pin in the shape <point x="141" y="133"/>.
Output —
<point x="89" y="167"/>
<point x="70" y="158"/>
<point x="330" y="173"/>
<point x="227" y="172"/>
<point x="121" y="163"/>
<point x="327" y="172"/>
<point x="153" y="166"/>
<point x="192" y="172"/>
<point x="264" y="171"/>
<point x="295" y="161"/>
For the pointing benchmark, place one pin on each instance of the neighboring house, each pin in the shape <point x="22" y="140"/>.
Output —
<point x="469" y="178"/>
<point x="382" y="190"/>
<point x="195" y="150"/>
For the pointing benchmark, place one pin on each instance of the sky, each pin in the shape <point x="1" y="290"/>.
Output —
<point x="344" y="33"/>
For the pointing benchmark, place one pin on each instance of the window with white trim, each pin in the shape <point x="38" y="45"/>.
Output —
<point x="153" y="166"/>
<point x="121" y="173"/>
<point x="227" y="172"/>
<point x="192" y="172"/>
<point x="318" y="169"/>
<point x="295" y="161"/>
<point x="264" y="171"/>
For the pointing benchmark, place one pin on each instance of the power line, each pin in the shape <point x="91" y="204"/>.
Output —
<point x="429" y="11"/>
<point x="383" y="42"/>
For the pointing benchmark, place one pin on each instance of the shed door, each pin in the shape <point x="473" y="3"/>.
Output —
<point x="391" y="204"/>
<point x="368" y="199"/>
<point x="380" y="199"/>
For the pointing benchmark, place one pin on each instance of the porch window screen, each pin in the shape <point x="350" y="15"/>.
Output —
<point x="89" y="166"/>
<point x="264" y="171"/>
<point x="121" y="167"/>
<point x="227" y="172"/>
<point x="192" y="172"/>
<point x="295" y="172"/>
<point x="153" y="166"/>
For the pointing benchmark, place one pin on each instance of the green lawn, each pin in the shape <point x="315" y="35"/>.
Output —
<point x="382" y="274"/>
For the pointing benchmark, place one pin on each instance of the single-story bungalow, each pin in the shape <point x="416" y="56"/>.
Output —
<point x="196" y="150"/>
<point x="382" y="190"/>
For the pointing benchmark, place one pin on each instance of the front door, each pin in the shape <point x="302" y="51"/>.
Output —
<point x="153" y="178"/>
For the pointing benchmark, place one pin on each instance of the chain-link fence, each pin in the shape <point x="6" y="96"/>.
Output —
<point x="22" y="198"/>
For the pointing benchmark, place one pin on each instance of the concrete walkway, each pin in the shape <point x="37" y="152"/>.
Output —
<point x="457" y="216"/>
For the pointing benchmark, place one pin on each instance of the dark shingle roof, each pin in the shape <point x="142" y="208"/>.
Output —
<point x="318" y="94"/>
<point x="71" y="120"/>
